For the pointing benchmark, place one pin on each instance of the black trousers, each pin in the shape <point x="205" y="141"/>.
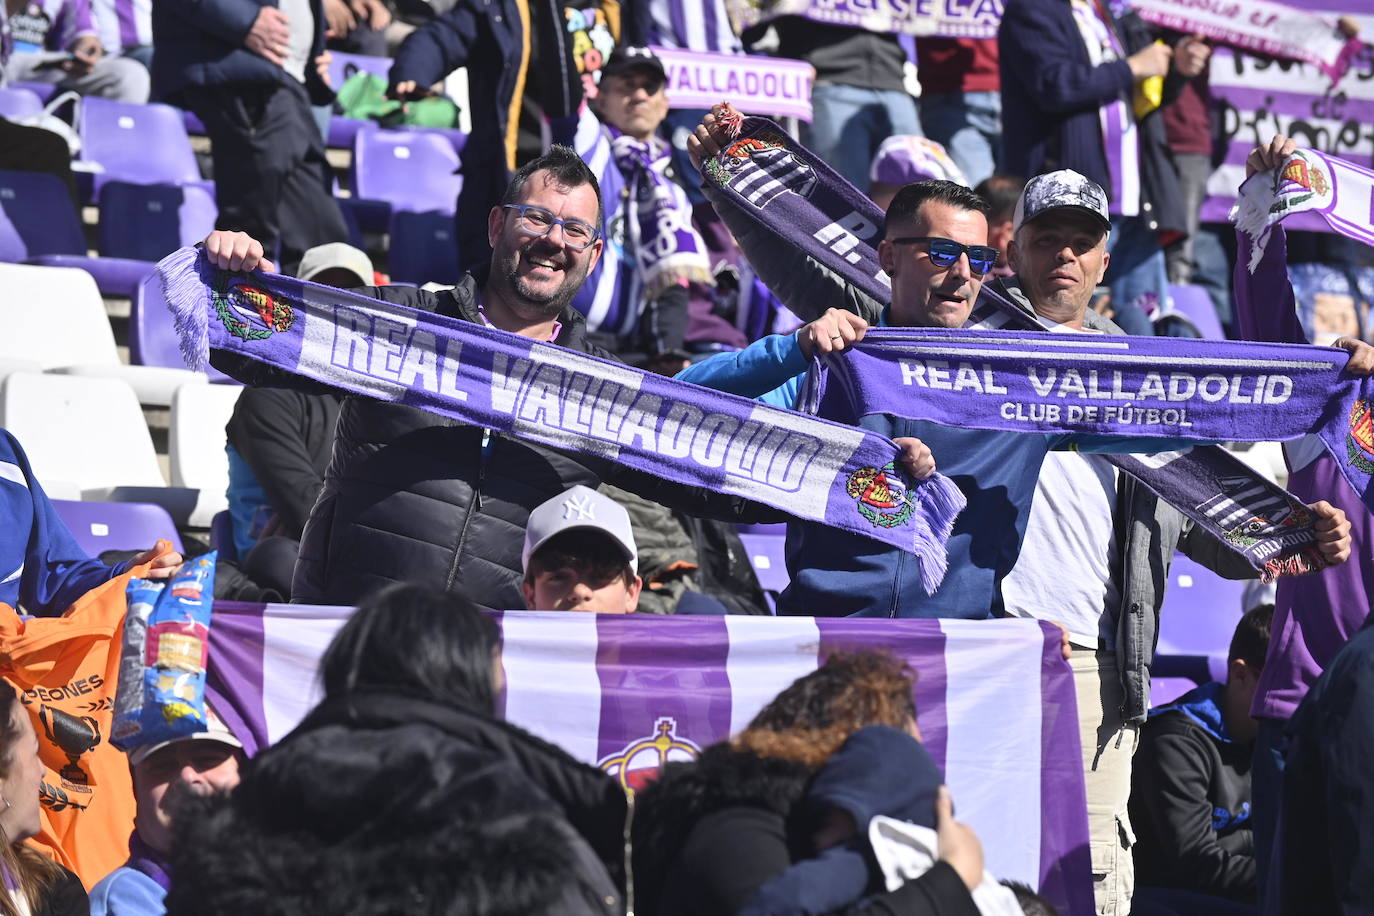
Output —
<point x="271" y="176"/>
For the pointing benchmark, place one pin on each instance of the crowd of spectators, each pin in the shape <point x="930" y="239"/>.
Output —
<point x="1025" y="171"/>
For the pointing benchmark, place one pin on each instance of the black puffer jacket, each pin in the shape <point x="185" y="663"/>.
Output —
<point x="709" y="833"/>
<point x="382" y="803"/>
<point x="411" y="496"/>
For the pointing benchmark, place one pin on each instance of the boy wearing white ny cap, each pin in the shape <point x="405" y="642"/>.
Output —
<point x="580" y="555"/>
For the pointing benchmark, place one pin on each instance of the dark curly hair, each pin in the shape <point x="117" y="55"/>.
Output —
<point x="816" y="713"/>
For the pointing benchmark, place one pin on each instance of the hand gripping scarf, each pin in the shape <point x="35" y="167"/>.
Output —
<point x="809" y="468"/>
<point x="1339" y="192"/>
<point x="832" y="222"/>
<point x="1042" y="382"/>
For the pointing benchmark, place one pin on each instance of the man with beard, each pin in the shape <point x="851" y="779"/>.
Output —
<point x="412" y="496"/>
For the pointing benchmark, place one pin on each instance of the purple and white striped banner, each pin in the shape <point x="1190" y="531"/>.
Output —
<point x="995" y="703"/>
<point x="1255" y="98"/>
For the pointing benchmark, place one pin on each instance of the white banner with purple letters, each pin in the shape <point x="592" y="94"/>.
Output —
<point x="994" y="699"/>
<point x="767" y="85"/>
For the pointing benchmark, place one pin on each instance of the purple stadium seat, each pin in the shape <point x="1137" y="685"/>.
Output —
<point x="423" y="248"/>
<point x="767" y="556"/>
<point x="99" y="526"/>
<point x="1200" y="611"/>
<point x="39" y="225"/>
<point x="18" y="103"/>
<point x="1194" y="304"/>
<point x="143" y="144"/>
<point x="1164" y="690"/>
<point x="152" y="338"/>
<point x="409" y="170"/>
<point x="46" y="92"/>
<point x="150" y="221"/>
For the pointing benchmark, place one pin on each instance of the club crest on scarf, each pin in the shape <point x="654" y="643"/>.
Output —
<point x="760" y="169"/>
<point x="1299" y="183"/>
<point x="882" y="494"/>
<point x="639" y="762"/>
<point x="1360" y="443"/>
<point x="250" y="312"/>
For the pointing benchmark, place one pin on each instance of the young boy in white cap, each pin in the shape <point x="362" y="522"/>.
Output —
<point x="580" y="555"/>
<point x="202" y="764"/>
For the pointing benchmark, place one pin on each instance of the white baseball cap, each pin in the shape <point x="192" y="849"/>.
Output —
<point x="336" y="256"/>
<point x="580" y="508"/>
<point x="215" y="730"/>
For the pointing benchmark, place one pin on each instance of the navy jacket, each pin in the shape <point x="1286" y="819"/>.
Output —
<point x="200" y="43"/>
<point x="1051" y="96"/>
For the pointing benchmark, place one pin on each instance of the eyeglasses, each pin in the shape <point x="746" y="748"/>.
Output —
<point x="946" y="252"/>
<point x="539" y="222"/>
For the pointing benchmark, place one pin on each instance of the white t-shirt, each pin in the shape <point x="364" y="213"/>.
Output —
<point x="301" y="21"/>
<point x="1064" y="572"/>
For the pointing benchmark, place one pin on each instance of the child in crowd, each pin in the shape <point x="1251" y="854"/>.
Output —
<point x="580" y="555"/>
<point x="879" y="777"/>
<point x="1190" y="793"/>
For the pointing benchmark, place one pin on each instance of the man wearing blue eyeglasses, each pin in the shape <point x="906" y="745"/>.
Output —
<point x="411" y="496"/>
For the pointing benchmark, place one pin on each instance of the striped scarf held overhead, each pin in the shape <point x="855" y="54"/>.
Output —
<point x="833" y="223"/>
<point x="667" y="251"/>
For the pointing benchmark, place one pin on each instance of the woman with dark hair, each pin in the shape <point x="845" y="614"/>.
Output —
<point x="402" y="791"/>
<point x="707" y="834"/>
<point x="33" y="884"/>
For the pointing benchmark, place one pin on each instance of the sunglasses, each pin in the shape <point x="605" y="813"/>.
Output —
<point x="946" y="252"/>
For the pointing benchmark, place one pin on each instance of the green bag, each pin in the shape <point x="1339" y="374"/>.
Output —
<point x="363" y="97"/>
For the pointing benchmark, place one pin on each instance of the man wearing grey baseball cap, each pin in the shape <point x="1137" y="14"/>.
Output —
<point x="1096" y="552"/>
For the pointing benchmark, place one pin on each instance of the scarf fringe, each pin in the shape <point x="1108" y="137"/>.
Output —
<point x="1251" y="216"/>
<point x="1305" y="560"/>
<point x="938" y="506"/>
<point x="188" y="299"/>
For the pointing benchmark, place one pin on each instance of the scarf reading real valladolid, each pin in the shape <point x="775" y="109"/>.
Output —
<point x="802" y="465"/>
<point x="1209" y="391"/>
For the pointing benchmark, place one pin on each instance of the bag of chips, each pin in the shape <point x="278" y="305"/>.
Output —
<point x="161" y="692"/>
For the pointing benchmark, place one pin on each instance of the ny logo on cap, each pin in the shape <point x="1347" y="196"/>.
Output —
<point x="579" y="508"/>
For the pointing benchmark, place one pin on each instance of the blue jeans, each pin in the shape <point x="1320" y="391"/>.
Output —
<point x="969" y="126"/>
<point x="1135" y="274"/>
<point x="848" y="124"/>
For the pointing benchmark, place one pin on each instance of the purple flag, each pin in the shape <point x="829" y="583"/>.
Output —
<point x="994" y="700"/>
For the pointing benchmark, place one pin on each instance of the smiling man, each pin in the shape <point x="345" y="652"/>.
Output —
<point x="410" y="496"/>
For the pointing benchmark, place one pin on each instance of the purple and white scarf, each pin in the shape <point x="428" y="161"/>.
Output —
<point x="1261" y="26"/>
<point x="1339" y="192"/>
<point x="658" y="217"/>
<point x="840" y="227"/>
<point x="810" y="468"/>
<point x="1038" y="381"/>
